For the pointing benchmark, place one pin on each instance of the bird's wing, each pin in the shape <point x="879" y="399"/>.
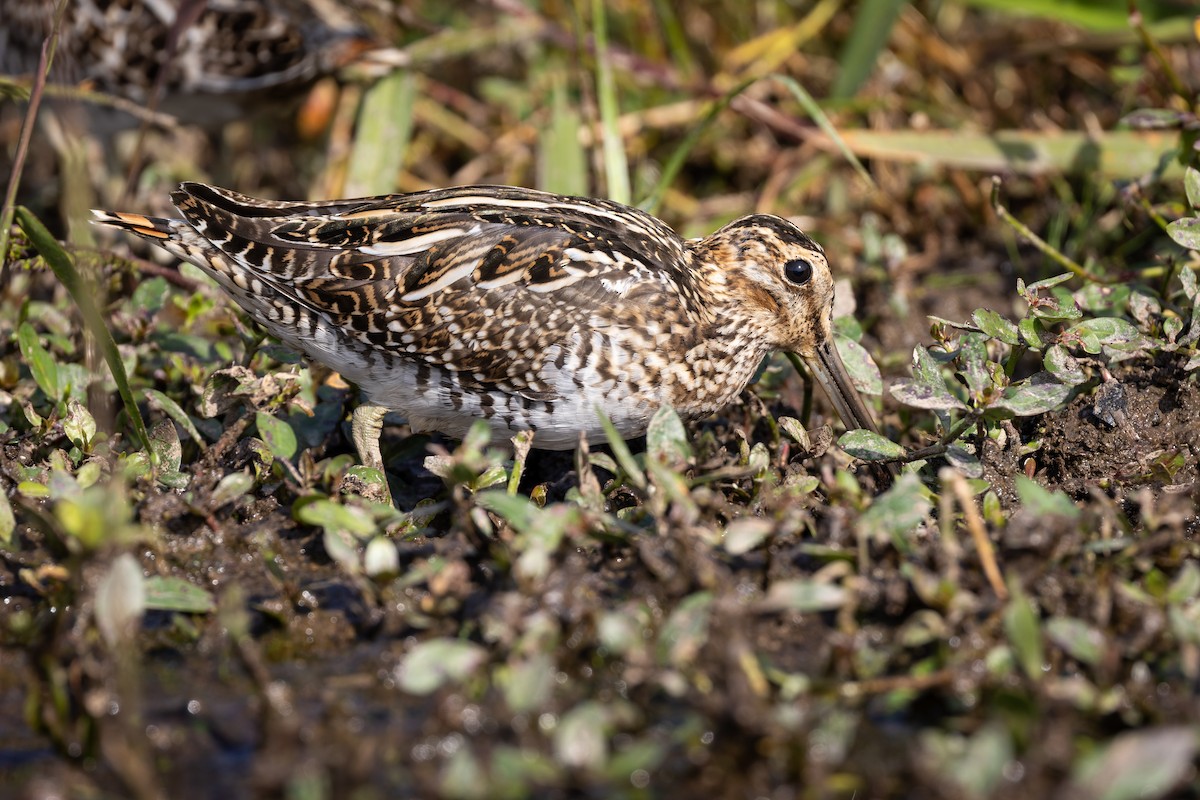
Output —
<point x="499" y="285"/>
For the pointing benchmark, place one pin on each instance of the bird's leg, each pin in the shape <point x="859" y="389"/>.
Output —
<point x="366" y="429"/>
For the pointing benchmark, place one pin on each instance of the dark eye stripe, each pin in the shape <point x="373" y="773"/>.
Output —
<point x="798" y="271"/>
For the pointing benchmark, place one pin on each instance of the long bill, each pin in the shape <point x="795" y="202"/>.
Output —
<point x="826" y="366"/>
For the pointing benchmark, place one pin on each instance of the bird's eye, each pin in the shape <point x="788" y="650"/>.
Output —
<point x="798" y="271"/>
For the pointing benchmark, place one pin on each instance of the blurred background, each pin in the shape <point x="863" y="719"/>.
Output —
<point x="699" y="112"/>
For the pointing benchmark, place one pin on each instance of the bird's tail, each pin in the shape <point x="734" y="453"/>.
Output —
<point x="174" y="235"/>
<point x="155" y="228"/>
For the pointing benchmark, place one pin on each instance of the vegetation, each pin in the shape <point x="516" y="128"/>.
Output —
<point x="198" y="600"/>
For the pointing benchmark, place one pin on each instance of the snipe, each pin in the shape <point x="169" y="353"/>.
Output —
<point x="521" y="308"/>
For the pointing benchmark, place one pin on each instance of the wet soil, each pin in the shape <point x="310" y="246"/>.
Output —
<point x="720" y="693"/>
<point x="1141" y="428"/>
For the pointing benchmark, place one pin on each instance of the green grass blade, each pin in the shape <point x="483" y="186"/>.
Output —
<point x="562" y="162"/>
<point x="620" y="449"/>
<point x="677" y="39"/>
<point x="616" y="168"/>
<point x="1091" y="15"/>
<point x="385" y="124"/>
<point x="64" y="269"/>
<point x="872" y="27"/>
<point x="824" y="123"/>
<point x="1106" y="155"/>
<point x="679" y="156"/>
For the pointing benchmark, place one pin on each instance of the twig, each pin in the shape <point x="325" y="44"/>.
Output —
<point x="983" y="545"/>
<point x="942" y="445"/>
<point x="894" y="683"/>
<point x="161" y="119"/>
<point x="35" y="100"/>
<point x="1042" y="245"/>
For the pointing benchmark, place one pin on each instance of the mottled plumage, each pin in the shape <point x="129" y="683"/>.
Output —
<point x="228" y="54"/>
<point x="518" y="307"/>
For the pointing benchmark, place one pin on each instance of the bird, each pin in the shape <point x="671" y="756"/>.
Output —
<point x="213" y="61"/>
<point x="525" y="309"/>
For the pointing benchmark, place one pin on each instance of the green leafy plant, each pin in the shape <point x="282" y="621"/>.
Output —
<point x="968" y="377"/>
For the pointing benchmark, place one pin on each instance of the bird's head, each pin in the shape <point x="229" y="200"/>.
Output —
<point x="770" y="276"/>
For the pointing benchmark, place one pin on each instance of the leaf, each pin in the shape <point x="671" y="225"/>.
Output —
<point x="341" y="546"/>
<point x="1155" y="119"/>
<point x="169" y="593"/>
<point x="922" y="395"/>
<point x="1044" y="283"/>
<point x="230" y="488"/>
<point x="64" y="270"/>
<point x="1037" y="394"/>
<point x="869" y="446"/>
<point x="616" y="164"/>
<point x="822" y="121"/>
<point x="1059" y="306"/>
<point x="864" y="373"/>
<point x="666" y="437"/>
<point x="120" y="600"/>
<point x="744" y="534"/>
<point x="434" y="663"/>
<point x="1030" y="332"/>
<point x="381" y="558"/>
<point x="1138" y="765"/>
<point x="516" y="510"/>
<point x="996" y="326"/>
<point x="150" y="296"/>
<point x="965" y="462"/>
<point x="581" y="738"/>
<point x="8" y="521"/>
<point x="1191" y="185"/>
<point x="899" y="510"/>
<point x="277" y="434"/>
<point x="1024" y="633"/>
<point x="165" y="445"/>
<point x="41" y="364"/>
<point x="1041" y="502"/>
<point x="79" y="425"/>
<point x="462" y="777"/>
<point x="1065" y="368"/>
<point x="528" y="683"/>
<point x="973" y="765"/>
<point x="1105" y="332"/>
<point x="1185" y="232"/>
<point x="1191" y="287"/>
<point x="973" y="357"/>
<point x="324" y="513"/>
<point x="686" y="631"/>
<point x="1097" y="17"/>
<point x="1080" y="640"/>
<point x="804" y="596"/>
<point x="1186" y="585"/>
<point x="158" y="400"/>
<point x="927" y="389"/>
<point x="796" y="432"/>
